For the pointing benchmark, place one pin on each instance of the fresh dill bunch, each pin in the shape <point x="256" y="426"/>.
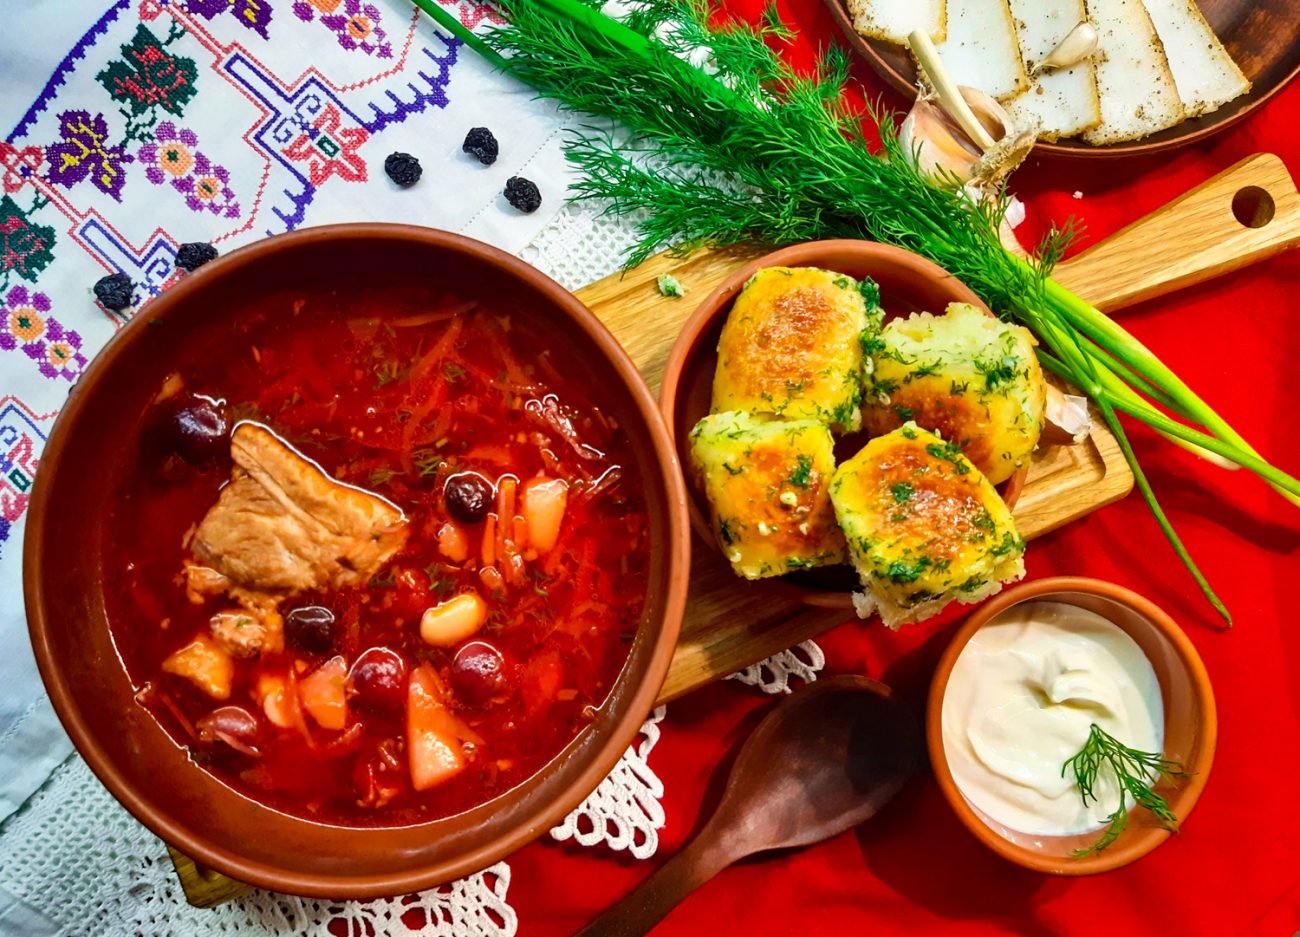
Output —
<point x="752" y="151"/>
<point x="1135" y="771"/>
<point x="719" y="141"/>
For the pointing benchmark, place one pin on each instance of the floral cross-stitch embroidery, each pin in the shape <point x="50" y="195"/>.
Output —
<point x="251" y="14"/>
<point x="329" y="148"/>
<point x="173" y="157"/>
<point x="84" y="153"/>
<point x="25" y="248"/>
<point x="27" y="324"/>
<point x="148" y="76"/>
<point x="356" y="24"/>
<point x="473" y="12"/>
<point x="18" y="165"/>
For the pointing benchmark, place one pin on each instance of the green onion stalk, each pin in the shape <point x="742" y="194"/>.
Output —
<point x="742" y="148"/>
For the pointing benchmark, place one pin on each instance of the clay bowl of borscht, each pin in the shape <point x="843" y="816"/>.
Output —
<point x="356" y="560"/>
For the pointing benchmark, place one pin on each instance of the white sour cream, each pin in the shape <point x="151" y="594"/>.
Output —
<point x="1020" y="702"/>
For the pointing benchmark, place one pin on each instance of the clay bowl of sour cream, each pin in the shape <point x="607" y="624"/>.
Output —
<point x="1015" y="695"/>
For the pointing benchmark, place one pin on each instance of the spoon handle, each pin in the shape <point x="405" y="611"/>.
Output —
<point x="650" y="903"/>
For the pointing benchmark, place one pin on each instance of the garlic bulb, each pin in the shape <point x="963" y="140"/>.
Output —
<point x="938" y="143"/>
<point x="961" y="134"/>
<point x="1077" y="46"/>
<point x="941" y="146"/>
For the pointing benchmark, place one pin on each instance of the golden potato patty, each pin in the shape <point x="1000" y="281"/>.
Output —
<point x="792" y="346"/>
<point x="923" y="525"/>
<point x="971" y="378"/>
<point x="767" y="485"/>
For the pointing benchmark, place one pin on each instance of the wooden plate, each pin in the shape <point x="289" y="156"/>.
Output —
<point x="1263" y="37"/>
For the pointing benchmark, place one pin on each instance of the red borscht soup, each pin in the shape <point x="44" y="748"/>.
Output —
<point x="377" y="560"/>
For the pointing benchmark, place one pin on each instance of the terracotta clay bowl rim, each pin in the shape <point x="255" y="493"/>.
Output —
<point x="1136" y="842"/>
<point x="718" y="303"/>
<point x="637" y="702"/>
<point x="1178" y="137"/>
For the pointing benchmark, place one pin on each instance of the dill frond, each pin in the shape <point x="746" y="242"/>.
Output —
<point x="1135" y="772"/>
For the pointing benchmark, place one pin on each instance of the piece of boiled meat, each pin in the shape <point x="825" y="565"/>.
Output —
<point x="282" y="525"/>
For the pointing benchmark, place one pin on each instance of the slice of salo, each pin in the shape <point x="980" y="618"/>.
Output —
<point x="981" y="50"/>
<point x="1204" y="72"/>
<point x="1137" y="90"/>
<point x="895" y="20"/>
<point x="1064" y="102"/>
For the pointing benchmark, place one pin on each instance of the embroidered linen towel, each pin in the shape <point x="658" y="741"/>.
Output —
<point x="133" y="126"/>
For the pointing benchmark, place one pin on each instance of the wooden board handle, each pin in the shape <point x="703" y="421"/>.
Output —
<point x="1245" y="214"/>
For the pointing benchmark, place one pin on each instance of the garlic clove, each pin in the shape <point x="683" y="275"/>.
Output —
<point x="1078" y="45"/>
<point x="992" y="115"/>
<point x="1068" y="421"/>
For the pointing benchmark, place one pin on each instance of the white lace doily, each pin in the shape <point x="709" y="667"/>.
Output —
<point x="801" y="662"/>
<point x="580" y="246"/>
<point x="78" y="863"/>
<point x="624" y="812"/>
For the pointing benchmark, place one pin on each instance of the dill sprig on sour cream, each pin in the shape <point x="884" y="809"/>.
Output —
<point x="1135" y="773"/>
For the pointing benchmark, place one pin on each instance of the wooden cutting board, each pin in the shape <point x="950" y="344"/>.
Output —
<point x="1245" y="214"/>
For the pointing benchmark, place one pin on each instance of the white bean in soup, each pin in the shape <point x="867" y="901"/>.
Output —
<point x="1020" y="702"/>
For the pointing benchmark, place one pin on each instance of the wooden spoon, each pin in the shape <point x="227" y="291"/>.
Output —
<point x="825" y="759"/>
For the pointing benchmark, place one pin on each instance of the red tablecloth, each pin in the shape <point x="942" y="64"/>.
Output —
<point x="1236" y="866"/>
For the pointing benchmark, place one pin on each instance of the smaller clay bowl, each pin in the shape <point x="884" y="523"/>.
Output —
<point x="908" y="283"/>
<point x="1191" y="725"/>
